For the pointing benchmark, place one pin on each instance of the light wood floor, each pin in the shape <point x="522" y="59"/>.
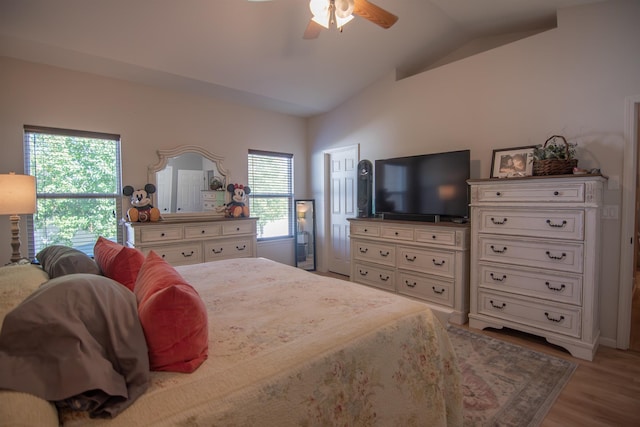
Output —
<point x="605" y="392"/>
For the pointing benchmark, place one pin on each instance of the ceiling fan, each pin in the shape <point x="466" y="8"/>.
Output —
<point x="328" y="13"/>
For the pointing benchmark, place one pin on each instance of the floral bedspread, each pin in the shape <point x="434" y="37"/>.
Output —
<point x="291" y="348"/>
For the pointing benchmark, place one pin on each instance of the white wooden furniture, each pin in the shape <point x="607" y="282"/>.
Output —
<point x="182" y="242"/>
<point x="427" y="261"/>
<point x="535" y="258"/>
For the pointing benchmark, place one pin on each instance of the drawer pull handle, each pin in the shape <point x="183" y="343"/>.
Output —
<point x="187" y="255"/>
<point x="241" y="248"/>
<point x="554" y="257"/>
<point x="498" y="222"/>
<point x="384" y="278"/>
<point x="498" y="306"/>
<point x="556" y="193"/>
<point x="410" y="284"/>
<point x="410" y="259"/>
<point x="558" y="320"/>
<point x="498" y="194"/>
<point x="436" y="263"/>
<point x="365" y="230"/>
<point x="551" y="224"/>
<point x="434" y="237"/>
<point x="498" y="279"/>
<point x="384" y="254"/>
<point x="203" y="231"/>
<point x="217" y="251"/>
<point x="161" y="234"/>
<point x="396" y="233"/>
<point x="363" y="250"/>
<point x="552" y="288"/>
<point x="163" y="255"/>
<point x="439" y="292"/>
<point x="363" y="273"/>
<point x="500" y="251"/>
<point x="237" y="228"/>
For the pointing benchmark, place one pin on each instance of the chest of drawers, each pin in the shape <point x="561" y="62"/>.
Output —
<point x="191" y="242"/>
<point x="425" y="261"/>
<point x="535" y="259"/>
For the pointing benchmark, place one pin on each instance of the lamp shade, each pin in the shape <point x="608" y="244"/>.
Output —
<point x="17" y="194"/>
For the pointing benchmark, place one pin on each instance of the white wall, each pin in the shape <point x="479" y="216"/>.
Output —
<point x="147" y="119"/>
<point x="572" y="80"/>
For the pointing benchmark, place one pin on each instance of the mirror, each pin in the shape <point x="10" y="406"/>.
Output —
<point x="305" y="234"/>
<point x="190" y="183"/>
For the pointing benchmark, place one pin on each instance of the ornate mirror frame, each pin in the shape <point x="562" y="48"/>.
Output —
<point x="164" y="156"/>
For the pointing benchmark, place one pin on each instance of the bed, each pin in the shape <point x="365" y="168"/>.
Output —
<point x="285" y="347"/>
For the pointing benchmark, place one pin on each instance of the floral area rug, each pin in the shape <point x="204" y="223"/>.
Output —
<point x="505" y="384"/>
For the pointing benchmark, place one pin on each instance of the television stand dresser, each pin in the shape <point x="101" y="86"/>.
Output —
<point x="426" y="261"/>
<point x="535" y="257"/>
<point x="184" y="241"/>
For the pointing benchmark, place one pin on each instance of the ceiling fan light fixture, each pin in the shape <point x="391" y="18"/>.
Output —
<point x="329" y="12"/>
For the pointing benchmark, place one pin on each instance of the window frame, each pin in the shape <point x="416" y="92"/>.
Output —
<point x="30" y="130"/>
<point x="257" y="194"/>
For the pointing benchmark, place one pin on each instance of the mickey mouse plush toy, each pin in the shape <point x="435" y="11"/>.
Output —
<point x="238" y="206"/>
<point x="141" y="210"/>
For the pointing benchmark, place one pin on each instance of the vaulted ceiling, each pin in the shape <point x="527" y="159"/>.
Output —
<point x="253" y="52"/>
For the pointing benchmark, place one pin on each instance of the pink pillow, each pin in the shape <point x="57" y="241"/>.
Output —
<point x="118" y="262"/>
<point x="173" y="317"/>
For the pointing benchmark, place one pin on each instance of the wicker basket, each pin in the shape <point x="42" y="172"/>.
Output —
<point x="555" y="166"/>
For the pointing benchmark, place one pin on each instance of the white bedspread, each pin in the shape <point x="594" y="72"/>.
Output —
<point x="290" y="348"/>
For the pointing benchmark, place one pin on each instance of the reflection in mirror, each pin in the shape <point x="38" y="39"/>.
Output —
<point x="305" y="234"/>
<point x="190" y="182"/>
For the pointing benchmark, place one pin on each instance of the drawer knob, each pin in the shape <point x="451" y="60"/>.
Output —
<point x="241" y="248"/>
<point x="203" y="231"/>
<point x="554" y="319"/>
<point x="500" y="251"/>
<point x="555" y="257"/>
<point x="363" y="250"/>
<point x="384" y="278"/>
<point x="237" y="228"/>
<point x="410" y="259"/>
<point x="434" y="237"/>
<point x="498" y="194"/>
<point x="162" y="234"/>
<point x="439" y="264"/>
<point x="187" y="255"/>
<point x="410" y="284"/>
<point x="365" y="230"/>
<point x="384" y="254"/>
<point x="439" y="292"/>
<point x="556" y="193"/>
<point x="556" y="225"/>
<point x="498" y="279"/>
<point x="498" y="306"/>
<point x="363" y="273"/>
<point x="498" y="222"/>
<point x="552" y="288"/>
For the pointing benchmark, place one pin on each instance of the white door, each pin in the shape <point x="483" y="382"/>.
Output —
<point x="342" y="164"/>
<point x="190" y="186"/>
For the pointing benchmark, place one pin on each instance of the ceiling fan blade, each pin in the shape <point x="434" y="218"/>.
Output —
<point x="374" y="13"/>
<point x="312" y="31"/>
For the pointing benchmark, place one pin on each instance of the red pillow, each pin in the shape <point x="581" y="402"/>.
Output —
<point x="173" y="317"/>
<point x="118" y="262"/>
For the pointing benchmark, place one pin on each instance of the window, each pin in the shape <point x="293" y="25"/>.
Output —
<point x="271" y="197"/>
<point x="78" y="187"/>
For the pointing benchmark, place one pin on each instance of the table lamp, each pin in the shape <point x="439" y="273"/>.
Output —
<point x="17" y="196"/>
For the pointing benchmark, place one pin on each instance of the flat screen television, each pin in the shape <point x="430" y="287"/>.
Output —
<point x="429" y="187"/>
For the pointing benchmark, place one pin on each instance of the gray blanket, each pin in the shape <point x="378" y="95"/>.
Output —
<point x="76" y="341"/>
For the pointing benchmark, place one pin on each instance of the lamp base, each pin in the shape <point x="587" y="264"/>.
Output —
<point x="15" y="238"/>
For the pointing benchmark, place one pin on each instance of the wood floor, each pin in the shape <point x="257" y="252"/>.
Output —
<point x="605" y="392"/>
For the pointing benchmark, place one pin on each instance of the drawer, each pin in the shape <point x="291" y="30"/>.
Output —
<point x="441" y="237"/>
<point x="160" y="234"/>
<point x="375" y="252"/>
<point x="397" y="233"/>
<point x="181" y="254"/>
<point x="531" y="312"/>
<point x="237" y="227"/>
<point x="554" y="255"/>
<point x="562" y="224"/>
<point x="364" y="229"/>
<point x="532" y="192"/>
<point x="205" y="230"/>
<point x="439" y="291"/>
<point x="223" y="249"/>
<point x="542" y="284"/>
<point x="375" y="276"/>
<point x="427" y="260"/>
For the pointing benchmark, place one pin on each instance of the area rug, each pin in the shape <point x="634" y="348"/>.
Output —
<point x="505" y="384"/>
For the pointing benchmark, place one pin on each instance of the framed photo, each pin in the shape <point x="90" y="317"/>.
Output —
<point x="512" y="162"/>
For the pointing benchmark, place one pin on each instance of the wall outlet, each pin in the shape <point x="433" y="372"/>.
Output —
<point x="610" y="212"/>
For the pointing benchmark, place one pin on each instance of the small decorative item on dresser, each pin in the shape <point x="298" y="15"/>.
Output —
<point x="512" y="162"/>
<point x="553" y="158"/>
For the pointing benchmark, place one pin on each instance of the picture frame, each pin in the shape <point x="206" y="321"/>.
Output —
<point x="512" y="162"/>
